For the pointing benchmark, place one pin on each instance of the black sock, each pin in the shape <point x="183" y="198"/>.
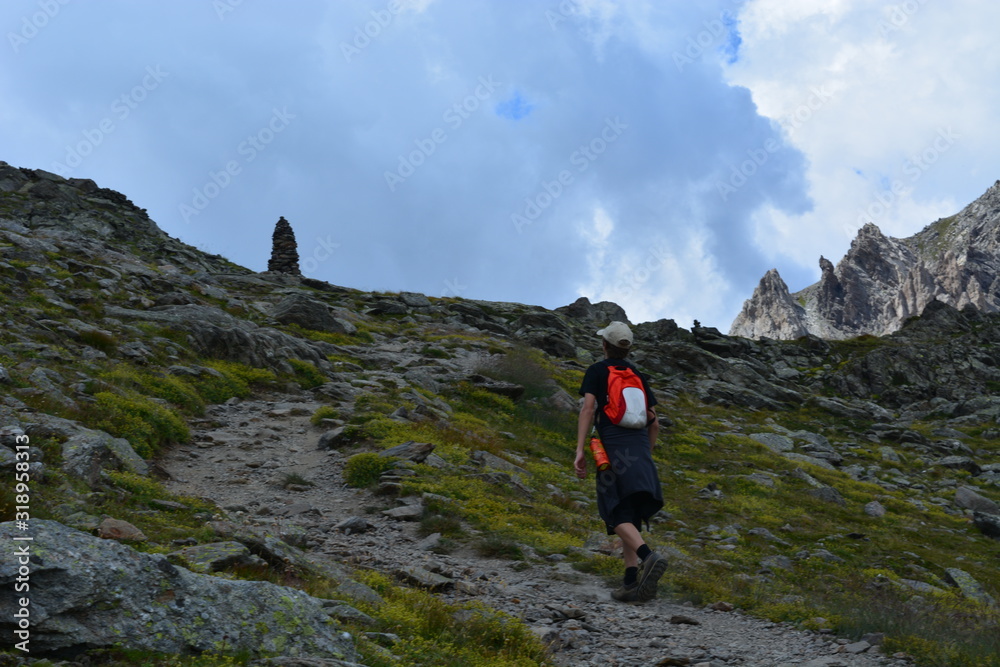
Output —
<point x="631" y="575"/>
<point x="644" y="552"/>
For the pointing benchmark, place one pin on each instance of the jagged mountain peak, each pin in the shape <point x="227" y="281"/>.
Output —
<point x="881" y="280"/>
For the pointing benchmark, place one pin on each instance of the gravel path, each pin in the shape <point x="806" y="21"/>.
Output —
<point x="243" y="451"/>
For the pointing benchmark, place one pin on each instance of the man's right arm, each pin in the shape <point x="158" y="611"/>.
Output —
<point x="583" y="424"/>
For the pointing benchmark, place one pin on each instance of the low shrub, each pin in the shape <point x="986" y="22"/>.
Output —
<point x="363" y="470"/>
<point x="146" y="424"/>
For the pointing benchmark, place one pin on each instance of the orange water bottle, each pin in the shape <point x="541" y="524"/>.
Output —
<point x="600" y="456"/>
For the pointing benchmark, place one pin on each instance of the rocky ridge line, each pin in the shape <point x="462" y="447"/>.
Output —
<point x="883" y="281"/>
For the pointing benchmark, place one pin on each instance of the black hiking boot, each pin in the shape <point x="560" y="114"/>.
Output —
<point x="650" y="571"/>
<point x="626" y="592"/>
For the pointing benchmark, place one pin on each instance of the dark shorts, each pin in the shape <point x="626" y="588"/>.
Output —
<point x="633" y="509"/>
<point x="628" y="492"/>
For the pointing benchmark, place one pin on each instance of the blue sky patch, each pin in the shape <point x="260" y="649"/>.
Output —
<point x="515" y="107"/>
<point x="731" y="46"/>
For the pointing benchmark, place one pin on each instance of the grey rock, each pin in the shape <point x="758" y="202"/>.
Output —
<point x="805" y="458"/>
<point x="354" y="524"/>
<point x="333" y="439"/>
<point x="405" y="512"/>
<point x="960" y="463"/>
<point x="310" y="314"/>
<point x="966" y="583"/>
<point x="970" y="499"/>
<point x="429" y="543"/>
<point x="509" y="389"/>
<point x="988" y="524"/>
<point x="87" y="453"/>
<point x="875" y="509"/>
<point x="776" y="563"/>
<point x="889" y="454"/>
<point x="774" y="441"/>
<point x="355" y="590"/>
<point x="418" y="576"/>
<point x="348" y="614"/>
<point x="760" y="478"/>
<point x="921" y="587"/>
<point x="496" y="463"/>
<point x="414" y="300"/>
<point x="857" y="648"/>
<point x="828" y="494"/>
<point x="208" y="558"/>
<point x="410" y="451"/>
<point x="141" y="601"/>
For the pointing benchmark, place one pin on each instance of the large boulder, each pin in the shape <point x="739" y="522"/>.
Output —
<point x="988" y="524"/>
<point x="88" y="452"/>
<point x="87" y="593"/>
<point x="309" y="314"/>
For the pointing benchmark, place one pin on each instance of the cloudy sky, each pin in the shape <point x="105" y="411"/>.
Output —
<point x="662" y="154"/>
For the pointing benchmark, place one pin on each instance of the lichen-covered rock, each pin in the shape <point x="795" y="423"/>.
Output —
<point x="970" y="588"/>
<point x="87" y="593"/>
<point x="89" y="452"/>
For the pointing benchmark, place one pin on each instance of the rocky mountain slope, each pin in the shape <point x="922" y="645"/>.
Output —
<point x="230" y="466"/>
<point x="882" y="281"/>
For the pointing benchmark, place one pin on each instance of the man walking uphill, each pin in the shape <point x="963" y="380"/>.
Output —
<point x="628" y="492"/>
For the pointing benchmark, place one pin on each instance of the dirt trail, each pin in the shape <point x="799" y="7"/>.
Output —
<point x="242" y="452"/>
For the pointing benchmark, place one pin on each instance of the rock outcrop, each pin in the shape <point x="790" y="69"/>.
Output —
<point x="88" y="592"/>
<point x="883" y="281"/>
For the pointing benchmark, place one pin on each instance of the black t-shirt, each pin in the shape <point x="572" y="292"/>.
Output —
<point x="595" y="381"/>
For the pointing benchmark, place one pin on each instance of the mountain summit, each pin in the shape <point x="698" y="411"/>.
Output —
<point x="882" y="281"/>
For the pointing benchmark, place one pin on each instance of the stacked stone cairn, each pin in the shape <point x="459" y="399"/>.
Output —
<point x="284" y="250"/>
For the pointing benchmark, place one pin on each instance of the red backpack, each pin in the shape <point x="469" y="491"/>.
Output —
<point x="626" y="398"/>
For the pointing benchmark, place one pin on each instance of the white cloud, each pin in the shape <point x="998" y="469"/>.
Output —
<point x="649" y="277"/>
<point x="906" y="132"/>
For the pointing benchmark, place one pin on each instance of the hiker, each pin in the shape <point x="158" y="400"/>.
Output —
<point x="628" y="492"/>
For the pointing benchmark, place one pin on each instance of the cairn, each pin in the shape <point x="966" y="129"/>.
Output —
<point x="284" y="250"/>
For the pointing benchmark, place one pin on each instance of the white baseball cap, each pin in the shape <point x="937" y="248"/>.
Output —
<point x="617" y="334"/>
